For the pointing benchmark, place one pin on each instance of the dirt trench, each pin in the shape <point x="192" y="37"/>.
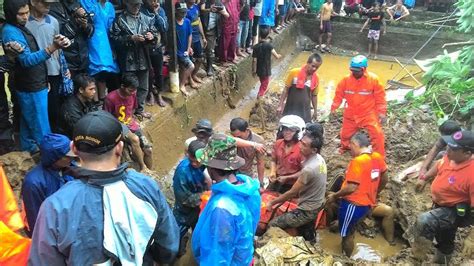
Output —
<point x="408" y="138"/>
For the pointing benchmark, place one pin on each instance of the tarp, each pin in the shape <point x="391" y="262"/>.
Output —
<point x="14" y="249"/>
<point x="9" y="211"/>
<point x="425" y="65"/>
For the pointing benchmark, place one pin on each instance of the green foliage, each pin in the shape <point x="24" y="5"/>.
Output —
<point x="449" y="83"/>
<point x="466" y="15"/>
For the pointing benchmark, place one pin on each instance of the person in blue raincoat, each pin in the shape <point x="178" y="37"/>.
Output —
<point x="189" y="182"/>
<point x="226" y="228"/>
<point x="101" y="58"/>
<point x="47" y="177"/>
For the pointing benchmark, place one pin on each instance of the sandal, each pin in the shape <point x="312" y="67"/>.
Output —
<point x="144" y="115"/>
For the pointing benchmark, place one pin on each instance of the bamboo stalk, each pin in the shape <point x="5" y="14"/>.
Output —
<point x="408" y="72"/>
<point x="458" y="43"/>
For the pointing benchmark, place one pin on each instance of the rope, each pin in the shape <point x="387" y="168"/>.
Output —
<point x="429" y="40"/>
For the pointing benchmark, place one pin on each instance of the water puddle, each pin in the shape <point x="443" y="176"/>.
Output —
<point x="369" y="249"/>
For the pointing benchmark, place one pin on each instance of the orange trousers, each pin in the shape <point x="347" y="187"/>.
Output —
<point x="371" y="123"/>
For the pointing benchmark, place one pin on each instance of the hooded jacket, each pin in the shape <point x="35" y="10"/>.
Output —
<point x="99" y="217"/>
<point x="30" y="65"/>
<point x="226" y="228"/>
<point x="43" y="180"/>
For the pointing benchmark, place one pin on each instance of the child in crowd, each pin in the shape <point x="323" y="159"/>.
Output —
<point x="122" y="103"/>
<point x="295" y="8"/>
<point x="197" y="33"/>
<point x="325" y="25"/>
<point x="376" y="20"/>
<point x="398" y="11"/>
<point x="184" y="50"/>
<point x="262" y="60"/>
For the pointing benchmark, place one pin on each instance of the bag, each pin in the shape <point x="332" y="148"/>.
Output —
<point x="66" y="88"/>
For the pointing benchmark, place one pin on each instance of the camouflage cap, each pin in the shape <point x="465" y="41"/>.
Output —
<point x="220" y="153"/>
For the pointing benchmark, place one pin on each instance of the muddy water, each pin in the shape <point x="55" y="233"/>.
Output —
<point x="335" y="67"/>
<point x="369" y="249"/>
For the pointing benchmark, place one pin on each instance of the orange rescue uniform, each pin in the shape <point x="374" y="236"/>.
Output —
<point x="454" y="183"/>
<point x="365" y="101"/>
<point x="365" y="170"/>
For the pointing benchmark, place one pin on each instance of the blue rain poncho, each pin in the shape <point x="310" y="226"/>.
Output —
<point x="226" y="228"/>
<point x="100" y="52"/>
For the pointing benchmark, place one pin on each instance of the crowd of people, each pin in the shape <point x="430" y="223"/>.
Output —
<point x="65" y="44"/>
<point x="65" y="58"/>
<point x="83" y="199"/>
<point x="83" y="205"/>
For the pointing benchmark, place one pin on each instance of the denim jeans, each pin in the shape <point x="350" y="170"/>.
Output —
<point x="242" y="34"/>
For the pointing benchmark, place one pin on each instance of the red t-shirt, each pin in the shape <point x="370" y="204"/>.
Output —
<point x="287" y="163"/>
<point x="365" y="170"/>
<point x="454" y="183"/>
<point x="122" y="108"/>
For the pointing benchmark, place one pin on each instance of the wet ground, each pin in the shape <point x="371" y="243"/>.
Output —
<point x="375" y="249"/>
<point x="334" y="68"/>
<point x="409" y="136"/>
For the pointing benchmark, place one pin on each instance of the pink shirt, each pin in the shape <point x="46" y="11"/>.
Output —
<point x="122" y="108"/>
<point x="231" y="24"/>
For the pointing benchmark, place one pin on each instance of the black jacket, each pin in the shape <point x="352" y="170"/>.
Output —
<point x="71" y="111"/>
<point x="132" y="56"/>
<point x="77" y="55"/>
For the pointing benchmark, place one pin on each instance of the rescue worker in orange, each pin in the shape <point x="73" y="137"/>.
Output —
<point x="365" y="106"/>
<point x="452" y="192"/>
<point x="366" y="177"/>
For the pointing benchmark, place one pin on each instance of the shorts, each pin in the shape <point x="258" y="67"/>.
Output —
<point x="185" y="62"/>
<point x="294" y="219"/>
<point x="197" y="49"/>
<point x="374" y="35"/>
<point x="264" y="81"/>
<point x="349" y="217"/>
<point x="303" y="221"/>
<point x="282" y="10"/>
<point x="327" y="27"/>
<point x="144" y="142"/>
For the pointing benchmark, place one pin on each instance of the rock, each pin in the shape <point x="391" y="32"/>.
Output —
<point x="16" y="165"/>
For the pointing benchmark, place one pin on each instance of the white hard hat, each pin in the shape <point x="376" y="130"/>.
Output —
<point x="294" y="122"/>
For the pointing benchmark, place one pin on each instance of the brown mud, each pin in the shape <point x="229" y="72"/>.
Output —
<point x="408" y="138"/>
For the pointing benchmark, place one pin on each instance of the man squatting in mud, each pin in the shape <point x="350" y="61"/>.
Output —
<point x="452" y="192"/>
<point x="366" y="176"/>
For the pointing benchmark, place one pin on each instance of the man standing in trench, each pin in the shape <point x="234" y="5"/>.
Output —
<point x="365" y="106"/>
<point x="365" y="177"/>
<point x="452" y="192"/>
<point x="301" y="90"/>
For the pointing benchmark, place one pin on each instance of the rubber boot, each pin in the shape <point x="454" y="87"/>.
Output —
<point x="209" y="68"/>
<point x="441" y="258"/>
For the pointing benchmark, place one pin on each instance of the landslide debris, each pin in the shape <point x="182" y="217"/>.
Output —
<point x="408" y="138"/>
